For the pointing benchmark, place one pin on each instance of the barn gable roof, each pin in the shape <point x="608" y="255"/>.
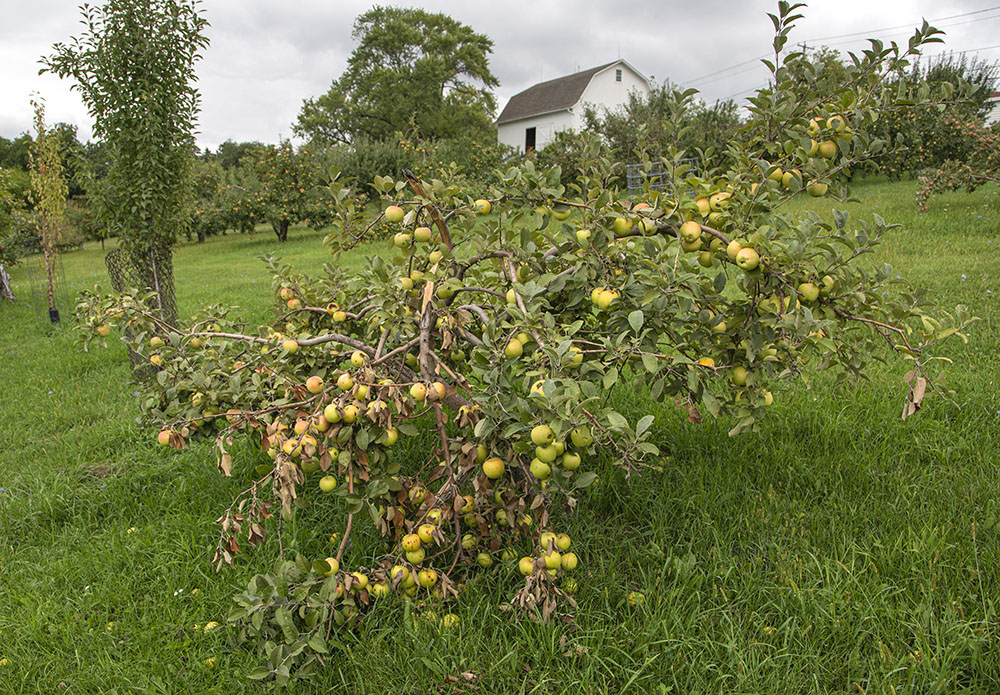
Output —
<point x="553" y="95"/>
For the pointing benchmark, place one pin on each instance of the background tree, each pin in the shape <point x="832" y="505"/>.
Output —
<point x="134" y="68"/>
<point x="410" y="67"/>
<point x="928" y="131"/>
<point x="10" y="204"/>
<point x="241" y="199"/>
<point x="48" y="193"/>
<point x="982" y="165"/>
<point x="230" y="153"/>
<point x="206" y="216"/>
<point x="286" y="180"/>
<point x="651" y="124"/>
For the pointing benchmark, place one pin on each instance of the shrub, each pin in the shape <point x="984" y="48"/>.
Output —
<point x="496" y="327"/>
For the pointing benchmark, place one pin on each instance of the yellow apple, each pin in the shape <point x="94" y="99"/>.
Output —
<point x="394" y="213"/>
<point x="828" y="149"/>
<point x="514" y="348"/>
<point x="747" y="259"/>
<point x="493" y="468"/>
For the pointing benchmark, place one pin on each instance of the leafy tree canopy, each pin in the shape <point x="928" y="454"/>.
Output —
<point x="652" y="123"/>
<point x="134" y="68"/>
<point x="411" y="68"/>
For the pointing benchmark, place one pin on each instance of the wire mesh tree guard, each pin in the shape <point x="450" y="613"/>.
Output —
<point x="47" y="300"/>
<point x="637" y="175"/>
<point x="151" y="271"/>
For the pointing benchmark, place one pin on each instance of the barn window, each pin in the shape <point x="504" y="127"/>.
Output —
<point x="618" y="75"/>
<point x="529" y="139"/>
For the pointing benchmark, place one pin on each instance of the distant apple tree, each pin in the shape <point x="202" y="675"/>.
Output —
<point x="440" y="407"/>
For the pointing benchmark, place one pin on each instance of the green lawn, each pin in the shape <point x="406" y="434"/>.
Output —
<point x="837" y="550"/>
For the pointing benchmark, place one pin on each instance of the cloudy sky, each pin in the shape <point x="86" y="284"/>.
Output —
<point x="265" y="58"/>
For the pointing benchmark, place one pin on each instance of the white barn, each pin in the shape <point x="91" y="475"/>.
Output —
<point x="533" y="117"/>
<point x="994" y="113"/>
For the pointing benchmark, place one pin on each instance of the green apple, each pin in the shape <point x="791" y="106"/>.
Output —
<point x="809" y="291"/>
<point x="817" y="189"/>
<point x="605" y="298"/>
<point x="570" y="461"/>
<point x="546" y="453"/>
<point x="394" y="213"/>
<point x="542" y="435"/>
<point x="747" y="259"/>
<point x="540" y="469"/>
<point x="581" y="437"/>
<point x="493" y="468"/>
<point x="690" y="231"/>
<point x="828" y="149"/>
<point x="418" y="392"/>
<point x="514" y="348"/>
<point x="720" y="200"/>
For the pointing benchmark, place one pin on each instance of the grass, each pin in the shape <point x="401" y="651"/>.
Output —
<point x="836" y="550"/>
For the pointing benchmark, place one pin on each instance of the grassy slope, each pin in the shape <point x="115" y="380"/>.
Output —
<point x="836" y="546"/>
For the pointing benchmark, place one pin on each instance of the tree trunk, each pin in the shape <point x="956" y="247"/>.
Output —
<point x="155" y="272"/>
<point x="48" y="253"/>
<point x="5" y="290"/>
<point x="201" y="236"/>
<point x="281" y="229"/>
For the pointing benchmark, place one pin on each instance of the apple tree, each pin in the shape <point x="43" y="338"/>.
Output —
<point x="286" y="181"/>
<point x="981" y="166"/>
<point x="10" y="208"/>
<point x="449" y="395"/>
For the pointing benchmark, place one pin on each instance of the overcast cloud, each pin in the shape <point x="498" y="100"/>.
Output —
<point x="265" y="58"/>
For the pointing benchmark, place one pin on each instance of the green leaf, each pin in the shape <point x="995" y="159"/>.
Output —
<point x="636" y="319"/>
<point x="318" y="644"/>
<point x="584" y="480"/>
<point x="651" y="363"/>
<point x="610" y="377"/>
<point x="616" y="420"/>
<point x="643" y="424"/>
<point x="259" y="673"/>
<point x="720" y="282"/>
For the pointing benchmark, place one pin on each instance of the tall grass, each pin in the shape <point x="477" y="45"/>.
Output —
<point x="838" y="549"/>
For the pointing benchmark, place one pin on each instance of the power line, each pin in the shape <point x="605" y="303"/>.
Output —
<point x="968" y="50"/>
<point x="904" y="26"/>
<point x="726" y="69"/>
<point x="906" y="33"/>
